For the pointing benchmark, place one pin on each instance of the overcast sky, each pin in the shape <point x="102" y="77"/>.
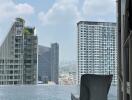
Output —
<point x="55" y="20"/>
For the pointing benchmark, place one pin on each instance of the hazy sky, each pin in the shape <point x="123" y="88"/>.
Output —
<point x="55" y="20"/>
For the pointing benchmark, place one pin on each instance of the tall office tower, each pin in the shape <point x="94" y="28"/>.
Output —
<point x="44" y="64"/>
<point x="55" y="62"/>
<point x="97" y="49"/>
<point x="124" y="49"/>
<point x="48" y="63"/>
<point x="18" y="55"/>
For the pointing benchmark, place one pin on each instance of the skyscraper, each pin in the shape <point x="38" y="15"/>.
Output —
<point x="44" y="64"/>
<point x="97" y="49"/>
<point x="18" y="55"/>
<point x="48" y="63"/>
<point x="55" y="62"/>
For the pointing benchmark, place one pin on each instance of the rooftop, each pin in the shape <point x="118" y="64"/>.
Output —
<point x="28" y="31"/>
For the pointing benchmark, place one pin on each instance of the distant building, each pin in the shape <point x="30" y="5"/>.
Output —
<point x="67" y="78"/>
<point x="44" y="64"/>
<point x="97" y="50"/>
<point x="68" y="70"/>
<point x="48" y="63"/>
<point x="18" y="55"/>
<point x="55" y="62"/>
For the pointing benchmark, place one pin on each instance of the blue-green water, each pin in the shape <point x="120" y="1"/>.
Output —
<point x="42" y="92"/>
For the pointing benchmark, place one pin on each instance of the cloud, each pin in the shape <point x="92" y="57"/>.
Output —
<point x="10" y="9"/>
<point x="68" y="11"/>
<point x="68" y="1"/>
<point x="59" y="24"/>
<point x="24" y="9"/>
<point x="99" y="9"/>
<point x="63" y="11"/>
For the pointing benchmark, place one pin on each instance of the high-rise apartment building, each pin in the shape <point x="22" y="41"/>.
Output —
<point x="124" y="49"/>
<point x="97" y="49"/>
<point x="48" y="63"/>
<point x="18" y="55"/>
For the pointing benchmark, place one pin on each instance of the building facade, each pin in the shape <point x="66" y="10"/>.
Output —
<point x="18" y="55"/>
<point x="97" y="49"/>
<point x="55" y="62"/>
<point x="124" y="49"/>
<point x="48" y="63"/>
<point x="44" y="64"/>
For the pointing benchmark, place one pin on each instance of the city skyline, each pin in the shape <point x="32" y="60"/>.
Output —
<point x="55" y="20"/>
<point x="60" y="49"/>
